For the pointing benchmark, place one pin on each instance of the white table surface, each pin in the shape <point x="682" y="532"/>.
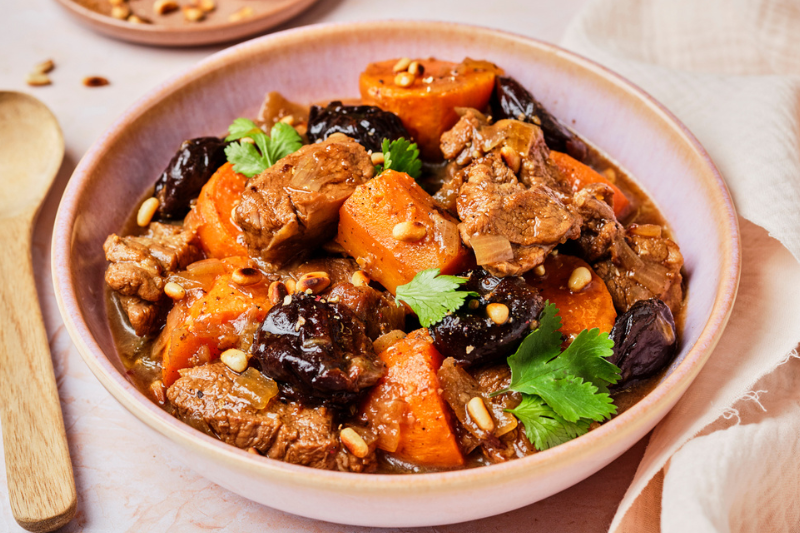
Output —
<point x="124" y="483"/>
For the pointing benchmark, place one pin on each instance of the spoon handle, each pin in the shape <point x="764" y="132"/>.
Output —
<point x="40" y="481"/>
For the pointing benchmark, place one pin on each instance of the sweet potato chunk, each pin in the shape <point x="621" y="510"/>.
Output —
<point x="406" y="409"/>
<point x="579" y="176"/>
<point x="427" y="107"/>
<point x="589" y="308"/>
<point x="367" y="223"/>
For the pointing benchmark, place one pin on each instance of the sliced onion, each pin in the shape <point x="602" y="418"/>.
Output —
<point x="652" y="276"/>
<point x="255" y="387"/>
<point x="491" y="249"/>
<point x="630" y="261"/>
<point x="206" y="267"/>
<point x="306" y="176"/>
<point x="447" y="235"/>
<point x="385" y="341"/>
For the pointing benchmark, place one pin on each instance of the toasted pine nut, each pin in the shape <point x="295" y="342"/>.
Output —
<point x="162" y="7"/>
<point x="277" y="292"/>
<point x="645" y="230"/>
<point x="611" y="174"/>
<point x="44" y="67"/>
<point x="120" y="12"/>
<point x="252" y="450"/>
<point x="498" y="313"/>
<point x="382" y="343"/>
<point x="539" y="271"/>
<point x="404" y="79"/>
<point x="95" y="81"/>
<point x="288" y="119"/>
<point x="193" y="14"/>
<point x="135" y="19"/>
<point x="287" y="300"/>
<point x="409" y="231"/>
<point x="242" y="14"/>
<point x="511" y="157"/>
<point x="579" y="279"/>
<point x="159" y="391"/>
<point x="316" y="282"/>
<point x="416" y="68"/>
<point x="37" y="79"/>
<point x="246" y="276"/>
<point x="248" y="140"/>
<point x="146" y="211"/>
<point x="301" y="129"/>
<point x="354" y="442"/>
<point x="480" y="415"/>
<point x="401" y="65"/>
<point x="360" y="279"/>
<point x="234" y="359"/>
<point x="207" y="5"/>
<point x="174" y="290"/>
<point x="291" y="285"/>
<point x="377" y="158"/>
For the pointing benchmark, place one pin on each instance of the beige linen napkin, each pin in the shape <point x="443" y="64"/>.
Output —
<point x="730" y="70"/>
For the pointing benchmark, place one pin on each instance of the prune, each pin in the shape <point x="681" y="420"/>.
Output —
<point x="644" y="340"/>
<point x="369" y="125"/>
<point x="470" y="337"/>
<point x="188" y="170"/>
<point x="316" y="350"/>
<point x="512" y="100"/>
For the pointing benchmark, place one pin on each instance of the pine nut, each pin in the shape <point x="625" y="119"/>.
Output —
<point x="579" y="279"/>
<point x="409" y="231"/>
<point x="120" y="12"/>
<point x="234" y="359"/>
<point x="277" y="292"/>
<point x="44" y="67"/>
<point x="135" y="19"/>
<point x="242" y="14"/>
<point x="174" y="291"/>
<point x="377" y="158"/>
<point x="248" y="140"/>
<point x="246" y="276"/>
<point x="416" y="68"/>
<point x="404" y="79"/>
<point x="207" y="5"/>
<point x="511" y="157"/>
<point x="354" y="442"/>
<point x="193" y="14"/>
<point x="162" y="7"/>
<point x="253" y="450"/>
<point x="291" y="285"/>
<point x="498" y="313"/>
<point x="360" y="279"/>
<point x="316" y="282"/>
<point x="146" y="211"/>
<point x="301" y="129"/>
<point x="288" y="119"/>
<point x="95" y="81"/>
<point x="610" y="174"/>
<point x="539" y="271"/>
<point x="401" y="65"/>
<point x="480" y="415"/>
<point x="37" y="79"/>
<point x="159" y="391"/>
<point x="645" y="230"/>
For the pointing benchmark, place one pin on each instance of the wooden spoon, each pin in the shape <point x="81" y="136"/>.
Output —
<point x="40" y="483"/>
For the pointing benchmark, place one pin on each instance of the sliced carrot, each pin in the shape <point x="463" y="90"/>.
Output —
<point x="367" y="223"/>
<point x="425" y="437"/>
<point x="427" y="107"/>
<point x="212" y="216"/>
<point x="580" y="175"/>
<point x="591" y="307"/>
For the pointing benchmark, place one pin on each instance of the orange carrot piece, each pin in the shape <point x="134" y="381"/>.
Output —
<point x="580" y="175"/>
<point x="218" y="234"/>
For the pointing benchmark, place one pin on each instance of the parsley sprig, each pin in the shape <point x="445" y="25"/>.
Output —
<point x="431" y="296"/>
<point x="282" y="141"/>
<point x="563" y="392"/>
<point x="400" y="155"/>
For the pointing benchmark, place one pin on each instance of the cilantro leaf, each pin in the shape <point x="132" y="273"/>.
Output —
<point x="400" y="155"/>
<point x="250" y="161"/>
<point x="431" y="296"/>
<point x="586" y="358"/>
<point x="543" y="427"/>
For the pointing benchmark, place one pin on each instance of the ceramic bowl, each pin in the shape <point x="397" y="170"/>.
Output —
<point x="319" y="62"/>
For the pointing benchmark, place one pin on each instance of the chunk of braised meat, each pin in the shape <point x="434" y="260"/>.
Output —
<point x="139" y="267"/>
<point x="512" y="100"/>
<point x="368" y="125"/>
<point x="188" y="170"/>
<point x="471" y="337"/>
<point x="492" y="201"/>
<point x="643" y="267"/>
<point x="645" y="340"/>
<point x="316" y="350"/>
<point x="212" y="399"/>
<point x="293" y="207"/>
<point x="600" y="230"/>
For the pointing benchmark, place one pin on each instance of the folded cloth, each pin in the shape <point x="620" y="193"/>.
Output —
<point x="729" y="69"/>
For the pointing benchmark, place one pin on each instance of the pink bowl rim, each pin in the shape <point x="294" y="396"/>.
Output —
<point x="665" y="394"/>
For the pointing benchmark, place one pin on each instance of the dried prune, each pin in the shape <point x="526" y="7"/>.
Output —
<point x="512" y="100"/>
<point x="316" y="350"/>
<point x="369" y="125"/>
<point x="644" y="340"/>
<point x="189" y="169"/>
<point x="471" y="337"/>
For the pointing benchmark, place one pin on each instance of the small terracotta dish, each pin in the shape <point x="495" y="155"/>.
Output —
<point x="318" y="62"/>
<point x="229" y="20"/>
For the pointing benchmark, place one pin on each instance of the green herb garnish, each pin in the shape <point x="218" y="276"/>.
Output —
<point x="563" y="392"/>
<point x="431" y="296"/>
<point x="282" y="141"/>
<point x="401" y="156"/>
